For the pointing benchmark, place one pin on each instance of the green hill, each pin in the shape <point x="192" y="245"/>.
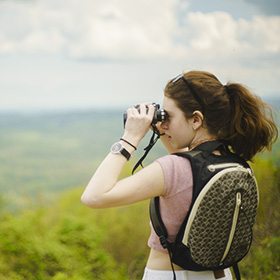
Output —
<point x="51" y="152"/>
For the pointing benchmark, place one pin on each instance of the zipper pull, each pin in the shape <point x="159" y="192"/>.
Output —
<point x="238" y="199"/>
<point x="217" y="166"/>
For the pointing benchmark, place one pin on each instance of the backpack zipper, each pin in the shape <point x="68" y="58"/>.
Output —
<point x="214" y="167"/>
<point x="234" y="222"/>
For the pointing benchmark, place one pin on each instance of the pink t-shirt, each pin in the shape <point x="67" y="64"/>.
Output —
<point x="176" y="198"/>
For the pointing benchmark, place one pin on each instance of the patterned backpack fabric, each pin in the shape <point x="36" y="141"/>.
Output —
<point x="218" y="230"/>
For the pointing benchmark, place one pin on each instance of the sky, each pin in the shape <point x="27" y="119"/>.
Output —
<point x="72" y="54"/>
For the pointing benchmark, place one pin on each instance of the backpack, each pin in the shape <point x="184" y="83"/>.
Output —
<point x="218" y="229"/>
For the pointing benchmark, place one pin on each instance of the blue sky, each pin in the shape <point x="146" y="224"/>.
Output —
<point x="70" y="54"/>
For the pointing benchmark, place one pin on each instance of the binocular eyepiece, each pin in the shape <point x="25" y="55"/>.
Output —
<point x="159" y="116"/>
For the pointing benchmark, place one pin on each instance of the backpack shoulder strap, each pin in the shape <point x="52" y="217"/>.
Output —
<point x="205" y="149"/>
<point x="157" y="222"/>
<point x="160" y="229"/>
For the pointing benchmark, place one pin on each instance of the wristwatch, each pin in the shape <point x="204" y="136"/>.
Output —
<point x="117" y="148"/>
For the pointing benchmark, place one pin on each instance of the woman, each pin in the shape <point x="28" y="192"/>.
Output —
<point x="199" y="109"/>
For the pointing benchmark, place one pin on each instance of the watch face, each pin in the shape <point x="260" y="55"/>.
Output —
<point x="116" y="147"/>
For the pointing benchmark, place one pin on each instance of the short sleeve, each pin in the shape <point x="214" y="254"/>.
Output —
<point x="177" y="172"/>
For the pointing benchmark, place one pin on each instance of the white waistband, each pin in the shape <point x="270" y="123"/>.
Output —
<point x="150" y="274"/>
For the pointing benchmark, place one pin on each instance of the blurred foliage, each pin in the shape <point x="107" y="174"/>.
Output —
<point x="66" y="240"/>
<point x="263" y="260"/>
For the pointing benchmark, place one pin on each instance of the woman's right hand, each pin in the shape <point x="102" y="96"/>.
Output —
<point x="138" y="122"/>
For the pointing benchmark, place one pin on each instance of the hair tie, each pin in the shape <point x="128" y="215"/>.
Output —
<point x="227" y="88"/>
<point x="128" y="143"/>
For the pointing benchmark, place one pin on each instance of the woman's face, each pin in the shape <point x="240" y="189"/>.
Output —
<point x="178" y="130"/>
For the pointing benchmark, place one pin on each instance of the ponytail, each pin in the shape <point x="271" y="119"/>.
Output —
<point x="251" y="127"/>
<point x="231" y="113"/>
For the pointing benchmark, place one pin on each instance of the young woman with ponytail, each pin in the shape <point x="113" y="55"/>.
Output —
<point x="199" y="109"/>
<point x="231" y="112"/>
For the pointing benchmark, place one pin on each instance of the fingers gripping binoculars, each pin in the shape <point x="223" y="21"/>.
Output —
<point x="159" y="116"/>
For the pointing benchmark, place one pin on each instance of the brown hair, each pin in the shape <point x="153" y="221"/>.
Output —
<point x="232" y="113"/>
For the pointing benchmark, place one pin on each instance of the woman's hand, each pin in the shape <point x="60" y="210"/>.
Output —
<point x="138" y="122"/>
<point x="104" y="190"/>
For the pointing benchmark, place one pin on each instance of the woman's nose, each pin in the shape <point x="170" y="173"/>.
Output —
<point x="164" y="125"/>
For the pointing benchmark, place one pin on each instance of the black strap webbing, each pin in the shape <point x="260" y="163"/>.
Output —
<point x="236" y="271"/>
<point x="152" y="142"/>
<point x="160" y="229"/>
<point x="157" y="222"/>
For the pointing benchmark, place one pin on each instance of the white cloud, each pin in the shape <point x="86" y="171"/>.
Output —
<point x="45" y="44"/>
<point x="218" y="36"/>
<point x="125" y="29"/>
<point x="215" y="30"/>
<point x="114" y="29"/>
<point x="261" y="34"/>
<point x="246" y="51"/>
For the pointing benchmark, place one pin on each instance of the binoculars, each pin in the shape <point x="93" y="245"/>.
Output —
<point x="159" y="116"/>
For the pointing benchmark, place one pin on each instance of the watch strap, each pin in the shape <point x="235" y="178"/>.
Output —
<point x="125" y="153"/>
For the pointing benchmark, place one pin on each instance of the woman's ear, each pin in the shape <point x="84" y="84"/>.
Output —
<point x="197" y="120"/>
